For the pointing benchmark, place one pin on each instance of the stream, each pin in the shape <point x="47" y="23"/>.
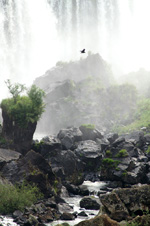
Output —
<point x="93" y="187"/>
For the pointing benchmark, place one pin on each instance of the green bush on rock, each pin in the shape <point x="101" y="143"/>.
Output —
<point x="110" y="163"/>
<point x="17" y="197"/>
<point x="24" y="109"/>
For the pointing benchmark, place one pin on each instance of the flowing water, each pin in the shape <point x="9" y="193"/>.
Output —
<point x="94" y="188"/>
<point x="35" y="34"/>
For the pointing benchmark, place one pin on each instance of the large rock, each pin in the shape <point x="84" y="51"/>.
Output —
<point x="102" y="220"/>
<point x="33" y="168"/>
<point x="7" y="155"/>
<point x="66" y="165"/>
<point x="90" y="153"/>
<point x="89" y="203"/>
<point x="69" y="136"/>
<point x="18" y="138"/>
<point x="90" y="133"/>
<point x="123" y="204"/>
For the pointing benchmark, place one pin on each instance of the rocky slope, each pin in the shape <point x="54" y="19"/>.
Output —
<point x="84" y="92"/>
<point x="77" y="154"/>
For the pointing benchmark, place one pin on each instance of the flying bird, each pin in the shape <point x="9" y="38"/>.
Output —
<point x="82" y="51"/>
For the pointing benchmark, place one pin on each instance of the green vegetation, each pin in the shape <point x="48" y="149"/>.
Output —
<point x="89" y="126"/>
<point x="148" y="150"/>
<point x="141" y="118"/>
<point x="17" y="197"/>
<point x="110" y="163"/>
<point x="24" y="109"/>
<point x="122" y="153"/>
<point x="108" y="153"/>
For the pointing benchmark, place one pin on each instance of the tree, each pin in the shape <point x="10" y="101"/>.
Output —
<point x="20" y="115"/>
<point x="26" y="108"/>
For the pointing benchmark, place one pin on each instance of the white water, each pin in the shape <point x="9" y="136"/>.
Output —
<point x="118" y="30"/>
<point x="27" y="40"/>
<point x="35" y="34"/>
<point x="93" y="187"/>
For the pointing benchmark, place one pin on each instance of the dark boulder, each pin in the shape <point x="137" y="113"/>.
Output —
<point x="67" y="216"/>
<point x="102" y="220"/>
<point x="32" y="168"/>
<point x="69" y="137"/>
<point x="69" y="165"/>
<point x="89" y="133"/>
<point x="89" y="203"/>
<point x="125" y="203"/>
<point x="90" y="153"/>
<point x="18" y="138"/>
<point x="7" y="155"/>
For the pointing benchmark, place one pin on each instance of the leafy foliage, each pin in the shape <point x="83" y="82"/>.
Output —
<point x="17" y="198"/>
<point x="122" y="153"/>
<point x="110" y="163"/>
<point x="24" y="109"/>
<point x="15" y="89"/>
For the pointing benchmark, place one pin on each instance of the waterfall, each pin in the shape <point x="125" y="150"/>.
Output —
<point x="27" y="41"/>
<point x="35" y="34"/>
<point x="118" y="30"/>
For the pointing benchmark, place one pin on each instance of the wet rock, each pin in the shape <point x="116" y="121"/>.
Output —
<point x="147" y="138"/>
<point x="67" y="216"/>
<point x="89" y="203"/>
<point x="47" y="146"/>
<point x="103" y="142"/>
<point x="101" y="220"/>
<point x="90" y="153"/>
<point x="118" y="141"/>
<point x="69" y="136"/>
<point x="7" y="155"/>
<point x="19" y="138"/>
<point x="116" y="208"/>
<point x="33" y="168"/>
<point x="111" y="137"/>
<point x="69" y="164"/>
<point x="89" y="133"/>
<point x="83" y="190"/>
<point x="122" y="204"/>
<point x="82" y="214"/>
<point x="65" y="208"/>
<point x="17" y="214"/>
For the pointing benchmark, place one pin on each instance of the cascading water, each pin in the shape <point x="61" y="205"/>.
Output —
<point x="118" y="30"/>
<point x="35" y="34"/>
<point x="27" y="40"/>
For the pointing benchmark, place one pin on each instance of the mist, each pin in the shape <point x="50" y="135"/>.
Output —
<point x="44" y="38"/>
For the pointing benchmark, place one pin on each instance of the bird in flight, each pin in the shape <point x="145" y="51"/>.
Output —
<point x="82" y="51"/>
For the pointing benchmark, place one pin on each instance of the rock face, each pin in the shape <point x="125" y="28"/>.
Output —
<point x="32" y="168"/>
<point x="123" y="204"/>
<point x="19" y="139"/>
<point x="73" y="93"/>
<point x="102" y="220"/>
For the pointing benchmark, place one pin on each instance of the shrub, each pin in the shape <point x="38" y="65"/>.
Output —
<point x="148" y="150"/>
<point x="88" y="126"/>
<point x="108" y="153"/>
<point x="110" y="163"/>
<point x="17" y="197"/>
<point x="122" y="153"/>
<point x="24" y="109"/>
